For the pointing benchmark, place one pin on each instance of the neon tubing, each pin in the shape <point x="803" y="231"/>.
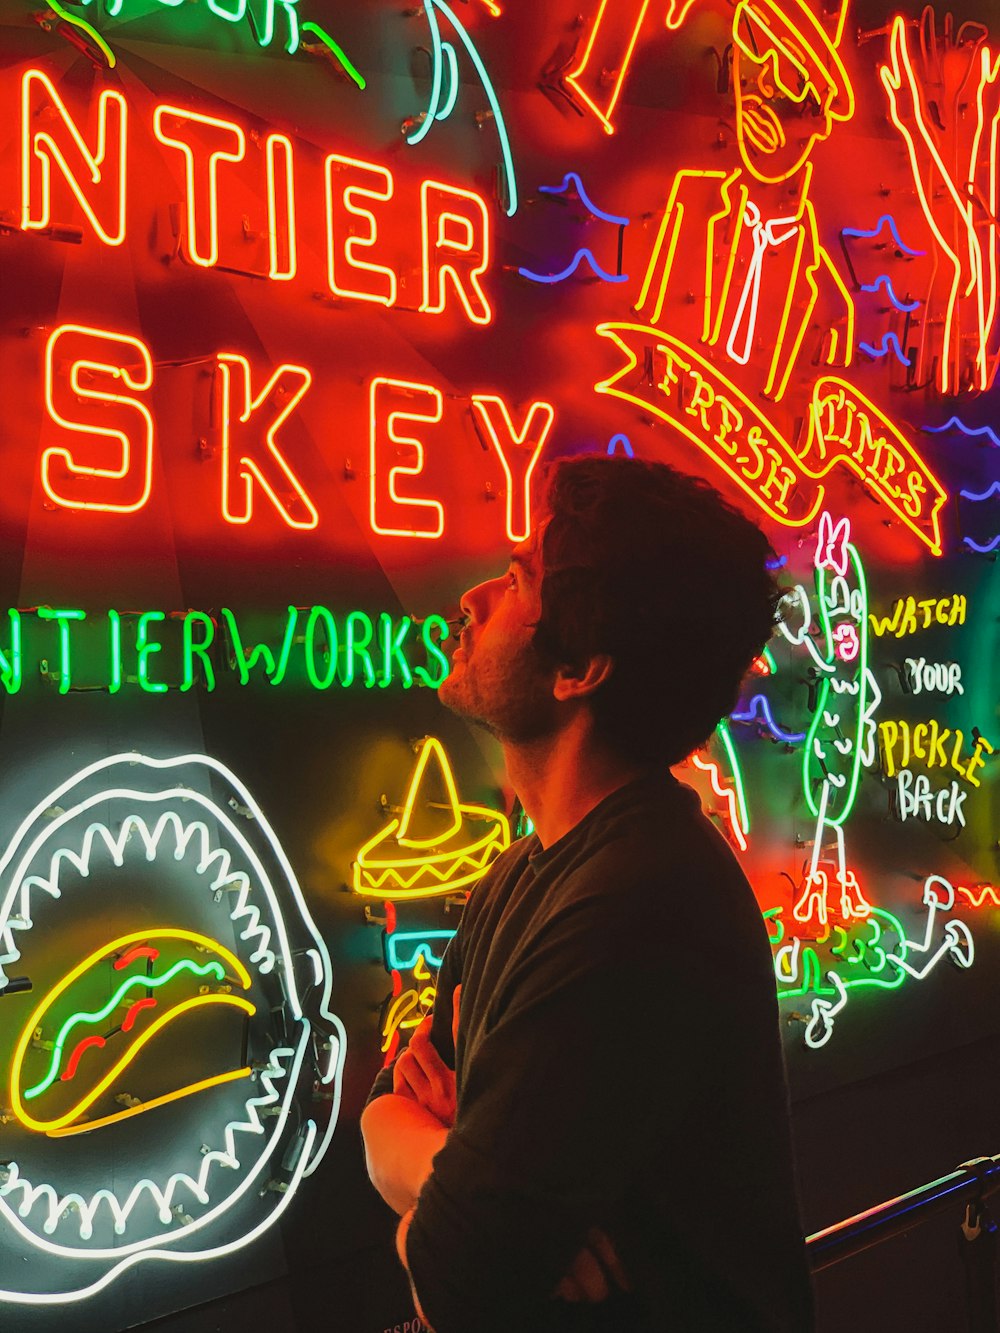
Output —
<point x="137" y="459"/>
<point x="189" y="1091"/>
<point x="759" y="707"/>
<point x="435" y="109"/>
<point x="140" y="980"/>
<point x="198" y="1002"/>
<point x="994" y="489"/>
<point x="337" y="51"/>
<point x="84" y="27"/>
<point x="163" y="1198"/>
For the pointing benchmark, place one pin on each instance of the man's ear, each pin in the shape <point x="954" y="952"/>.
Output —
<point x="578" y="683"/>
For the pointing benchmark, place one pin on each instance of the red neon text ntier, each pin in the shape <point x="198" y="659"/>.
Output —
<point x="99" y="439"/>
<point x="245" y="201"/>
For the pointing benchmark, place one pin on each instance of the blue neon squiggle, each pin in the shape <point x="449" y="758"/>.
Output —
<point x="780" y="563"/>
<point x="883" y="280"/>
<point x="760" y="708"/>
<point x="984" y="495"/>
<point x="572" y="178"/>
<point x="955" y="423"/>
<point x="571" y="268"/>
<point x="886" y="220"/>
<point x="441" y="106"/>
<point x="613" y="446"/>
<point x="983" y="550"/>
<point x="889" y="343"/>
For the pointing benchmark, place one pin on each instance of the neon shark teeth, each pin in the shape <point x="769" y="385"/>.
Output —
<point x="61" y="1208"/>
<point x="216" y="862"/>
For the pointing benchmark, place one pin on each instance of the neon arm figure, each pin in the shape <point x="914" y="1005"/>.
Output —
<point x="945" y="102"/>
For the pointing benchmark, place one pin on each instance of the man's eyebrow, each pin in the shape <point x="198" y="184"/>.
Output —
<point x="521" y="562"/>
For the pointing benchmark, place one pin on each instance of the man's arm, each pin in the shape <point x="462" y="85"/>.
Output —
<point x="549" y="1138"/>
<point x="404" y="1129"/>
<point x="401" y="1140"/>
<point x="421" y="1075"/>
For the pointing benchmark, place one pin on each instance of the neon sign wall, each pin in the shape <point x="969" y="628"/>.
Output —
<point x="299" y="306"/>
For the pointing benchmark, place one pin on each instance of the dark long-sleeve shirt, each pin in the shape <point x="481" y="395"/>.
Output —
<point x="618" y="1065"/>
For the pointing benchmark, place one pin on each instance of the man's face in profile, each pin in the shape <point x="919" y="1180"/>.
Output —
<point x="497" y="678"/>
<point x="783" y="94"/>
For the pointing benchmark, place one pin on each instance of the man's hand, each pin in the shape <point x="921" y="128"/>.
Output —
<point x="421" y="1074"/>
<point x="595" y="1273"/>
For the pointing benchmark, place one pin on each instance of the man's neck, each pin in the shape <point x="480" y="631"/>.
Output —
<point x="560" y="780"/>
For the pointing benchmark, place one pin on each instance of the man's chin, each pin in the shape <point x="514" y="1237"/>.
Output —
<point x="451" y="694"/>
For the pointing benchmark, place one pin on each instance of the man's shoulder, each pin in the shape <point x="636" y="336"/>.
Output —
<point x="502" y="871"/>
<point x="661" y="863"/>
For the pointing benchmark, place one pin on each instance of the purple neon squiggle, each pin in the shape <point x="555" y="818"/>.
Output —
<point x="973" y="432"/>
<point x="889" y="343"/>
<point x="760" y="709"/>
<point x="572" y="178"/>
<point x="886" y="220"/>
<point x="985" y="495"/>
<point x="883" y="280"/>
<point x="571" y="268"/>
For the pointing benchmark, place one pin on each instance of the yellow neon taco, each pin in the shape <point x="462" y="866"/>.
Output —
<point x="54" y="1086"/>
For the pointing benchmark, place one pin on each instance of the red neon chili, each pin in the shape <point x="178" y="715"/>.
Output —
<point x="139" y="951"/>
<point x="147" y="1002"/>
<point x="74" y="1059"/>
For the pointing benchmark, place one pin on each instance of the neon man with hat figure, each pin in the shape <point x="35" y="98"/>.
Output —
<point x="763" y="267"/>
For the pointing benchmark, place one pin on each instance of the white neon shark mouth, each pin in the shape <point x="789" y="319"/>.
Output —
<point x="206" y="1174"/>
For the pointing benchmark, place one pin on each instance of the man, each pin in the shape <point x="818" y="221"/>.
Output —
<point x="612" y="1150"/>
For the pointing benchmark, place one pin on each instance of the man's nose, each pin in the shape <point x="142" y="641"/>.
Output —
<point x="477" y="603"/>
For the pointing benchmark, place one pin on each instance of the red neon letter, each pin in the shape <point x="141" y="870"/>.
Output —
<point x="281" y="208"/>
<point x="99" y="192"/>
<point x="247" y="458"/>
<point x="93" y="354"/>
<point x="343" y="187"/>
<point x="456" y="246"/>
<point x="393" y="514"/>
<point x="493" y="416"/>
<point x="217" y="141"/>
<point x="608" y="52"/>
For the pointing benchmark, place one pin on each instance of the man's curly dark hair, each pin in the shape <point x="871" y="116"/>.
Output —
<point x="656" y="569"/>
